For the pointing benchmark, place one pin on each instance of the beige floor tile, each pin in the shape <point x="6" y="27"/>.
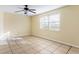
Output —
<point x="45" y="41"/>
<point x="33" y="40"/>
<point x="31" y="51"/>
<point x="27" y="47"/>
<point x="52" y="48"/>
<point x="3" y="47"/>
<point x="6" y="53"/>
<point x="11" y="42"/>
<point x="5" y="50"/>
<point x="14" y="46"/>
<point x="74" y="50"/>
<point x="3" y="42"/>
<point x="18" y="51"/>
<point x="38" y="48"/>
<point x="62" y="49"/>
<point x="23" y="42"/>
<point x="44" y="52"/>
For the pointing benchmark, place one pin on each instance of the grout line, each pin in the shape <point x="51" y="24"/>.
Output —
<point x="9" y="46"/>
<point x="19" y="46"/>
<point x="69" y="49"/>
<point x="52" y="52"/>
<point x="56" y="48"/>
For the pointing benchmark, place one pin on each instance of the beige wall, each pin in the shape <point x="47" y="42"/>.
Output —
<point x="17" y="24"/>
<point x="1" y="23"/>
<point x="69" y="30"/>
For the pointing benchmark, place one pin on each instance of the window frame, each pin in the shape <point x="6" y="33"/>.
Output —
<point x="58" y="22"/>
<point x="54" y="24"/>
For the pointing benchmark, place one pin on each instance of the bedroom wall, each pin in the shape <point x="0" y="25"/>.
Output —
<point x="1" y="23"/>
<point x="17" y="25"/>
<point x="69" y="30"/>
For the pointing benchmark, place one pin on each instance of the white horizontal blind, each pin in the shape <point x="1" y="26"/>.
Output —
<point x="54" y="22"/>
<point x="44" y="22"/>
<point x="50" y="22"/>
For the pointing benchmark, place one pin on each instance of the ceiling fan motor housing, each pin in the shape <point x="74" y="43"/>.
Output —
<point x="26" y="9"/>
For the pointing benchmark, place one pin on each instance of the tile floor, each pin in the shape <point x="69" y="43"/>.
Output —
<point x="34" y="45"/>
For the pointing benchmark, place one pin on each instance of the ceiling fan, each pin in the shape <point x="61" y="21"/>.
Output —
<point x="26" y="9"/>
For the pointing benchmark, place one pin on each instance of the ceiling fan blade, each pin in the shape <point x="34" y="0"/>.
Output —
<point x="31" y="11"/>
<point x="20" y="8"/>
<point x="26" y="6"/>
<point x="19" y="11"/>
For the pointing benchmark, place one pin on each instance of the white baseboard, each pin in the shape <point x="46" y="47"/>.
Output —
<point x="20" y="35"/>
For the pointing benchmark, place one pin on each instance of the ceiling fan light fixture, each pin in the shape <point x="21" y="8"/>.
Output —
<point x="25" y="9"/>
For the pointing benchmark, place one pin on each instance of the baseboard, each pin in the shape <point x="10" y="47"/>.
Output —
<point x="21" y="36"/>
<point x="58" y="41"/>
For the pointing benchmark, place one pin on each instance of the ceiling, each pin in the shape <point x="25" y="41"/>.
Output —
<point x="39" y="8"/>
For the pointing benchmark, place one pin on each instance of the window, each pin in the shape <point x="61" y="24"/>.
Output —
<point x="54" y="22"/>
<point x="44" y="22"/>
<point x="50" y="22"/>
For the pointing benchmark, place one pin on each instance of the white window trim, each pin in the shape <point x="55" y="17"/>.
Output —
<point x="49" y="23"/>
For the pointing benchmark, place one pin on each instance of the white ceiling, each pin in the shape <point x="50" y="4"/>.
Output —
<point x="39" y="8"/>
